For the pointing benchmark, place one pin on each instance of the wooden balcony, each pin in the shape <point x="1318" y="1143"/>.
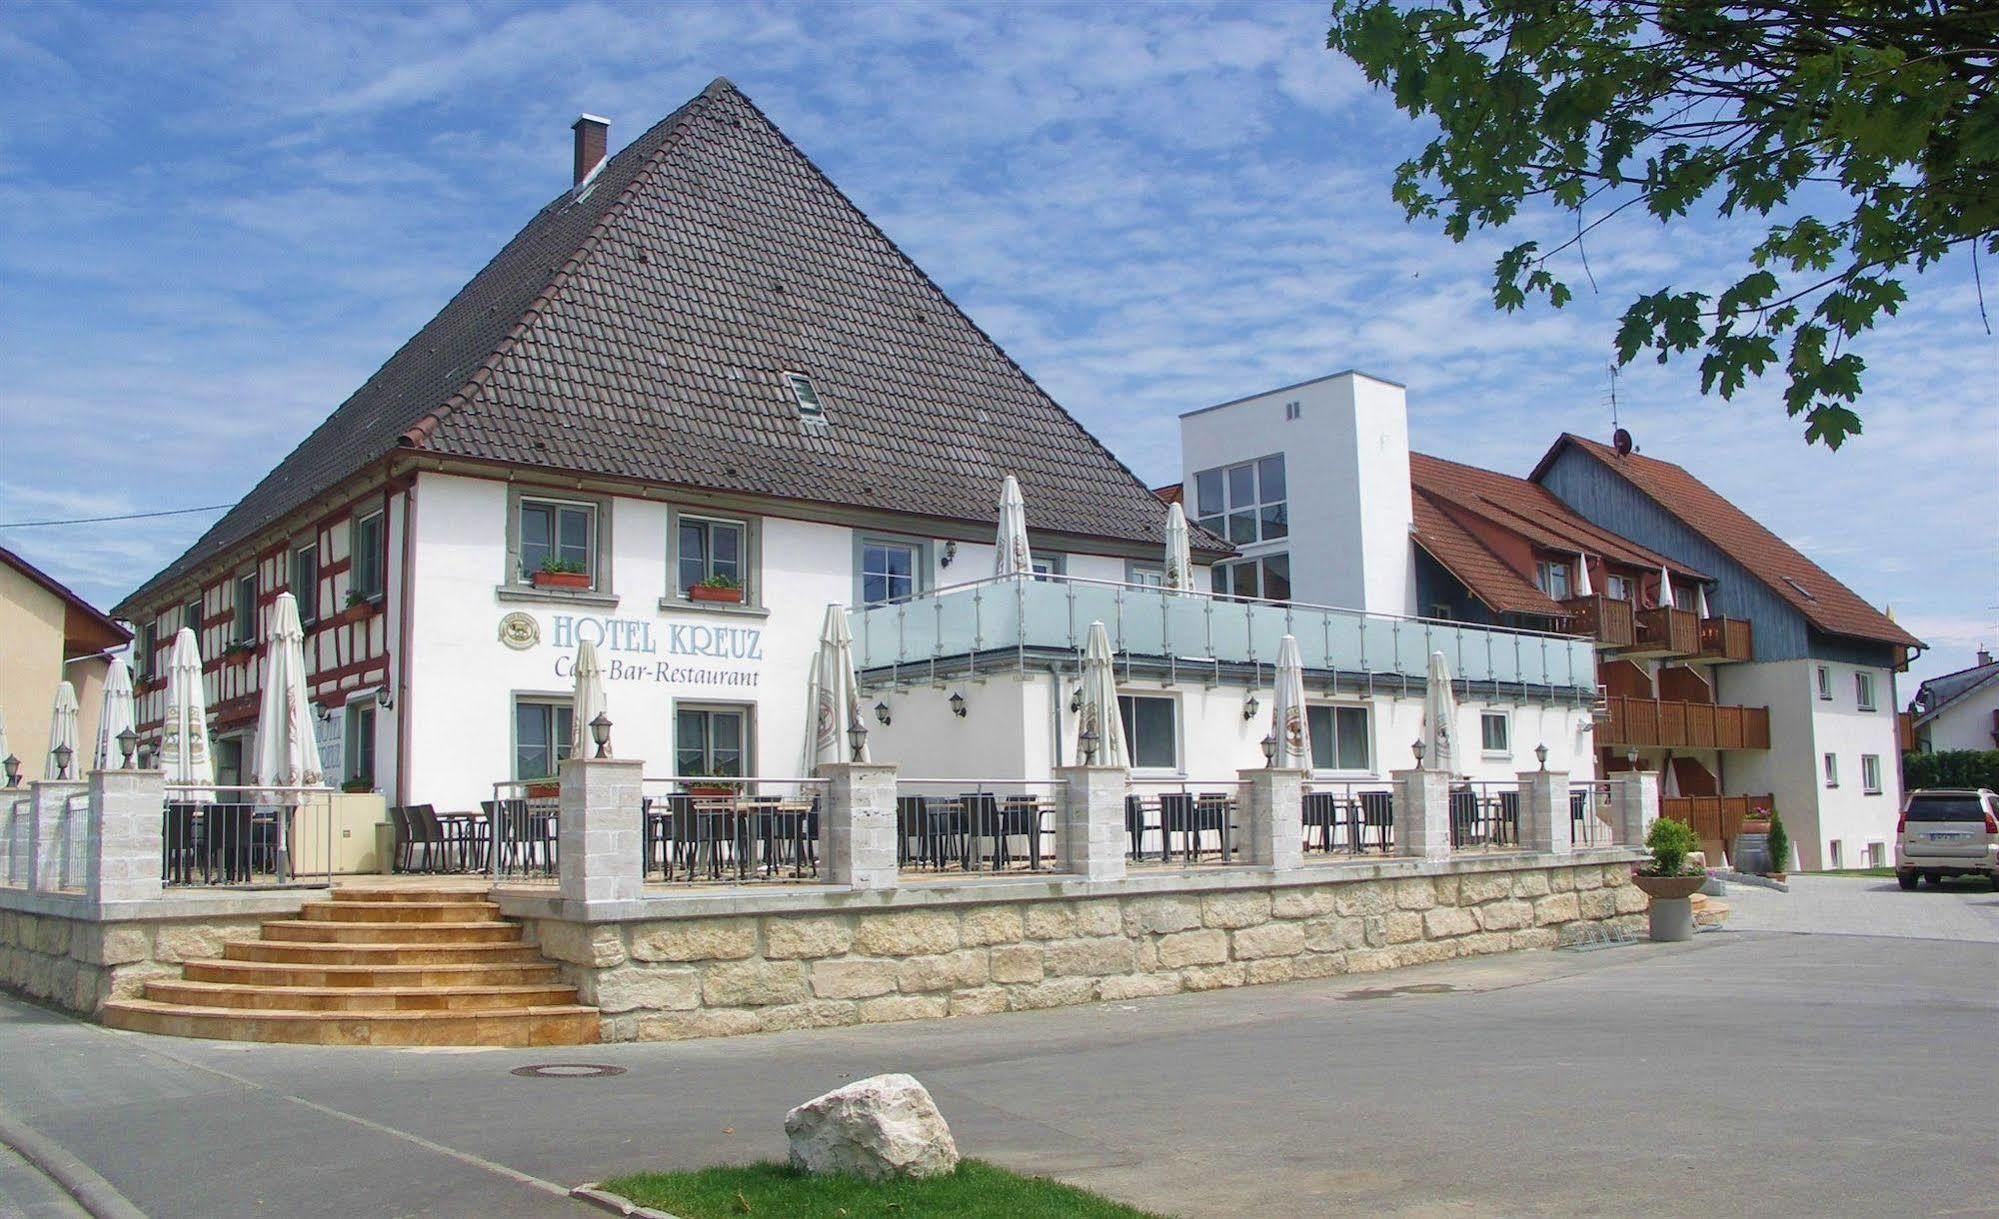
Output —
<point x="1667" y="631"/>
<point x="1725" y="639"/>
<point x="1715" y="819"/>
<point x="1606" y="621"/>
<point x="1655" y="723"/>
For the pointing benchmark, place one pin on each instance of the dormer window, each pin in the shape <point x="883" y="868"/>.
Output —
<point x="807" y="397"/>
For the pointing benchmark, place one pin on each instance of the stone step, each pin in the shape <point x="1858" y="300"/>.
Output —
<point x="478" y="892"/>
<point x="563" y="1024"/>
<point x="301" y="953"/>
<point x="360" y="998"/>
<point x="424" y="934"/>
<point x="1711" y="914"/>
<point x="400" y="912"/>
<point x="267" y="973"/>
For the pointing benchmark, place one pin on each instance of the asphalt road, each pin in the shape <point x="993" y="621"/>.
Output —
<point x="1758" y="1073"/>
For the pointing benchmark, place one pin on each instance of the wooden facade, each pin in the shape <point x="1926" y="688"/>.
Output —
<point x="1653" y="723"/>
<point x="1716" y="820"/>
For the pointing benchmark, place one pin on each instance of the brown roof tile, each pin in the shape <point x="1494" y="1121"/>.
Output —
<point x="1488" y="576"/>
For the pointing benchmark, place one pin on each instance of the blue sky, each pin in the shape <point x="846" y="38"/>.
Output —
<point x="216" y="221"/>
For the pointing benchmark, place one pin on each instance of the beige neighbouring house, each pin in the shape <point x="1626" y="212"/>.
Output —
<point x="49" y="634"/>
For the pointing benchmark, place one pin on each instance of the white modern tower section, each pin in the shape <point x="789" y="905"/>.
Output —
<point x="1344" y="440"/>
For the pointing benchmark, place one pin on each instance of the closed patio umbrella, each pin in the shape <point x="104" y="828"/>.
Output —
<point x="114" y="719"/>
<point x="1700" y="602"/>
<point x="590" y="701"/>
<point x="1440" y="718"/>
<point x="1011" y="555"/>
<point x="1583" y="588"/>
<point x="62" y="732"/>
<point x="1287" y="711"/>
<point x="1099" y="727"/>
<point x="184" y="752"/>
<point x="1179" y="552"/>
<point x="3" y="741"/>
<point x="836" y="701"/>
<point x="1665" y="586"/>
<point x="287" y="748"/>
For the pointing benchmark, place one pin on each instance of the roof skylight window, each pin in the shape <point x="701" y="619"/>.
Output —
<point x="805" y="395"/>
<point x="1804" y="592"/>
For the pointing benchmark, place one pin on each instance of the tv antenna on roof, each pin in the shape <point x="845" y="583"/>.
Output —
<point x="1619" y="438"/>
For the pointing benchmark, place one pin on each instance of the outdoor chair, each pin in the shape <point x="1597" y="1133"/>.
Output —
<point x="228" y="846"/>
<point x="1192" y="818"/>
<point x="181" y="843"/>
<point x="1019" y="817"/>
<point x="1134" y="827"/>
<point x="979" y="826"/>
<point x="1321" y="813"/>
<point x="1377" y="813"/>
<point x="912" y="832"/>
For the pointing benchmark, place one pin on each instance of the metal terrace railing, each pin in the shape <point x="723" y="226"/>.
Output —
<point x="1589" y="814"/>
<point x="978" y="623"/>
<point x="978" y="825"/>
<point x="1349" y="818"/>
<point x="1485" y="814"/>
<point x="246" y="837"/>
<point x="703" y="830"/>
<point x="1179" y="820"/>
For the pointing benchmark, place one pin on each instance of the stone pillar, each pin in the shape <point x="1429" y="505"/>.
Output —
<point x="858" y="824"/>
<point x="599" y="856"/>
<point x="122" y="856"/>
<point x="1092" y="821"/>
<point x="1423" y="813"/>
<point x="51" y="811"/>
<point x="1274" y="812"/>
<point x="1634" y="803"/>
<point x="1545" y="824"/>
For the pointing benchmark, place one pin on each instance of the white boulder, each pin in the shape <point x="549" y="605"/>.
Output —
<point x="884" y="1126"/>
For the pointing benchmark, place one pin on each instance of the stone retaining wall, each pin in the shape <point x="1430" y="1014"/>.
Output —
<point x="666" y="978"/>
<point x="78" y="963"/>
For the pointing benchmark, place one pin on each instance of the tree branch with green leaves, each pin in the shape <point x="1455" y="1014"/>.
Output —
<point x="1862" y="135"/>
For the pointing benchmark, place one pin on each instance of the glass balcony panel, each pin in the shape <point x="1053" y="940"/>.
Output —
<point x="1092" y="603"/>
<point x="1268" y="625"/>
<point x="1228" y="629"/>
<point x="1186" y="624"/>
<point x="1045" y="617"/>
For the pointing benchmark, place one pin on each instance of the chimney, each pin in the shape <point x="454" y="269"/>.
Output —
<point x="1984" y="657"/>
<point x="591" y="133"/>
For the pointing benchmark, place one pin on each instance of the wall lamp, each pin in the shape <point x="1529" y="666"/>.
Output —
<point x="857" y="739"/>
<point x="1418" y="748"/>
<point x="1250" y="707"/>
<point x="384" y="699"/>
<point x="600" y="732"/>
<point x="881" y="714"/>
<point x="63" y="754"/>
<point x="1076" y="701"/>
<point x="1541" y="755"/>
<point x="949" y="553"/>
<point x="128" y="743"/>
<point x="958" y="705"/>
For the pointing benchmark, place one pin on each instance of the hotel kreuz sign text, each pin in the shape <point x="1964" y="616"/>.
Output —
<point x="643" y="649"/>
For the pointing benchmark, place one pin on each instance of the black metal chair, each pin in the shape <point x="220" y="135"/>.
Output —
<point x="1134" y="827"/>
<point x="979" y="828"/>
<point x="1377" y="813"/>
<point x="227" y="845"/>
<point x="1019" y="817"/>
<point x="912" y="832"/>
<point x="181" y="843"/>
<point x="1321" y="813"/>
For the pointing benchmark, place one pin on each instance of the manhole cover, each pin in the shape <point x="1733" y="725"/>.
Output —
<point x="1389" y="992"/>
<point x="567" y="1070"/>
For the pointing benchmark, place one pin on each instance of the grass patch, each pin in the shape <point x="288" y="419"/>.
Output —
<point x="976" y="1191"/>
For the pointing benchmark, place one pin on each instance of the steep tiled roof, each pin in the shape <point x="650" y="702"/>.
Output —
<point x="1827" y="604"/>
<point x="640" y="326"/>
<point x="1171" y="493"/>
<point x="1488" y="576"/>
<point x="1940" y="692"/>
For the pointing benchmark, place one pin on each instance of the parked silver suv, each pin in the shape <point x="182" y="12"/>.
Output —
<point x="1948" y="832"/>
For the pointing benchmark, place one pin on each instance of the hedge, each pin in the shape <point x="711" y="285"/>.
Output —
<point x="1952" y="768"/>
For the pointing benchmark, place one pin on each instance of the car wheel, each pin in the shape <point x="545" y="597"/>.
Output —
<point x="1907" y="879"/>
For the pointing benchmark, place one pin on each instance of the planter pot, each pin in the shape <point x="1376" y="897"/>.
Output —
<point x="702" y="592"/>
<point x="710" y="789"/>
<point x="1755" y="825"/>
<point x="562" y="579"/>
<point x="1671" y="913"/>
<point x="544" y="791"/>
<point x="1668" y="887"/>
<point x="360" y="611"/>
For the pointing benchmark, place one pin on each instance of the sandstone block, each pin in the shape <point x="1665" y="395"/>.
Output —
<point x="1562" y="880"/>
<point x="991" y="925"/>
<point x="1506" y="915"/>
<point x="695" y="939"/>
<point x="1161" y="915"/>
<point x="1050" y="921"/>
<point x="1632" y="900"/>
<point x="635" y="987"/>
<point x="1484" y="887"/>
<point x="1556" y="908"/>
<point x="943" y="971"/>
<point x="1211" y="977"/>
<point x="1232" y="910"/>
<point x="755" y="984"/>
<point x="1483" y="943"/>
<point x="1427" y="952"/>
<point x="885" y="1126"/>
<point x="891" y="1008"/>
<point x="981" y="1002"/>
<point x="906" y="934"/>
<point x="1447" y="921"/>
<point x="1102" y="916"/>
<point x="1534" y="937"/>
<point x="1374" y="930"/>
<point x="1090" y="958"/>
<point x="124" y="943"/>
<point x="679" y="1026"/>
<point x="1530" y="884"/>
<point x="1365" y="897"/>
<point x="1206" y="947"/>
<point x="1402" y="926"/>
<point x="1415" y="893"/>
<point x="1587" y="878"/>
<point x="186" y="941"/>
<point x="1138" y="986"/>
<point x="1304" y="903"/>
<point x="811" y="1014"/>
<point x="1333" y="933"/>
<point x="1269" y="940"/>
<point x="1597" y="903"/>
<point x="1016" y="963"/>
<point x="1273" y="969"/>
<point x="852" y="978"/>
<point x="1371" y="960"/>
<point x="1055" y="992"/>
<point x="808" y="937"/>
<point x="1319" y="964"/>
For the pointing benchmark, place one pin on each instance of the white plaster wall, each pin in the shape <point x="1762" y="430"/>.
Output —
<point x="1346" y="464"/>
<point x="1965" y="724"/>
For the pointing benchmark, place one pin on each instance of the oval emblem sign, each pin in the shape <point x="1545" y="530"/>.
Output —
<point x="519" y="631"/>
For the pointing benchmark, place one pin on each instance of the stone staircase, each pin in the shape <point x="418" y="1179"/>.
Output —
<point x="383" y="967"/>
<point x="1709" y="911"/>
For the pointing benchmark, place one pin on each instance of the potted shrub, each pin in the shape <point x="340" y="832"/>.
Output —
<point x="562" y="573"/>
<point x="1780" y="848"/>
<point x="1669" y="879"/>
<point x="358" y="607"/>
<point x="543" y="789"/>
<point x="1757" y="822"/>
<point x="717" y="588"/>
<point x="701" y="783"/>
<point x="239" y="651"/>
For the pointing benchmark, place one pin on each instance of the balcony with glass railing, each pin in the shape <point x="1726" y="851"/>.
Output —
<point x="984" y="625"/>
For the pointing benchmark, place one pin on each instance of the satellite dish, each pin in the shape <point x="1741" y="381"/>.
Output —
<point x="1621" y="441"/>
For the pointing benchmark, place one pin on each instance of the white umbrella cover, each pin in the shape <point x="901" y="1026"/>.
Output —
<point x="184" y="752"/>
<point x="62" y="731"/>
<point x="1665" y="587"/>
<point x="589" y="702"/>
<point x="1099" y="718"/>
<point x="287" y="745"/>
<point x="836" y="701"/>
<point x="1179" y="551"/>
<point x="1583" y="588"/>
<point x="1011" y="556"/>
<point x="3" y="741"/>
<point x="1669" y="783"/>
<point x="1440" y="718"/>
<point x="1287" y="711"/>
<point x="1700" y="602"/>
<point x="114" y="719"/>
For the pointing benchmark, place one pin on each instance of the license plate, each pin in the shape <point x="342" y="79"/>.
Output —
<point x="1947" y="837"/>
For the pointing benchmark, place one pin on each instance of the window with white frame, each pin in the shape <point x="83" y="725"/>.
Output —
<point x="889" y="570"/>
<point x="1262" y="579"/>
<point x="1683" y="595"/>
<point x="1151" y="731"/>
<point x="557" y="537"/>
<point x="711" y="741"/>
<point x="370" y="558"/>
<point x="544" y="729"/>
<point x="1870" y="774"/>
<point x="1877" y="854"/>
<point x="243" y="627"/>
<point x="1050" y="565"/>
<point x="1149" y="575"/>
<point x="711" y="552"/>
<point x="1837" y="850"/>
<point x="1495" y="732"/>
<point x="1244" y="503"/>
<point x="1339" y="737"/>
<point x="1620" y="588"/>
<point x="805" y="395"/>
<point x="1863" y="691"/>
<point x="1831" y="770"/>
<point x="1552" y="578"/>
<point x="305" y="583"/>
<point x="190" y="617"/>
<point x="1825" y="684"/>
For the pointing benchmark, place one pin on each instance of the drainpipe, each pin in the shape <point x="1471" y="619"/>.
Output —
<point x="399" y="663"/>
